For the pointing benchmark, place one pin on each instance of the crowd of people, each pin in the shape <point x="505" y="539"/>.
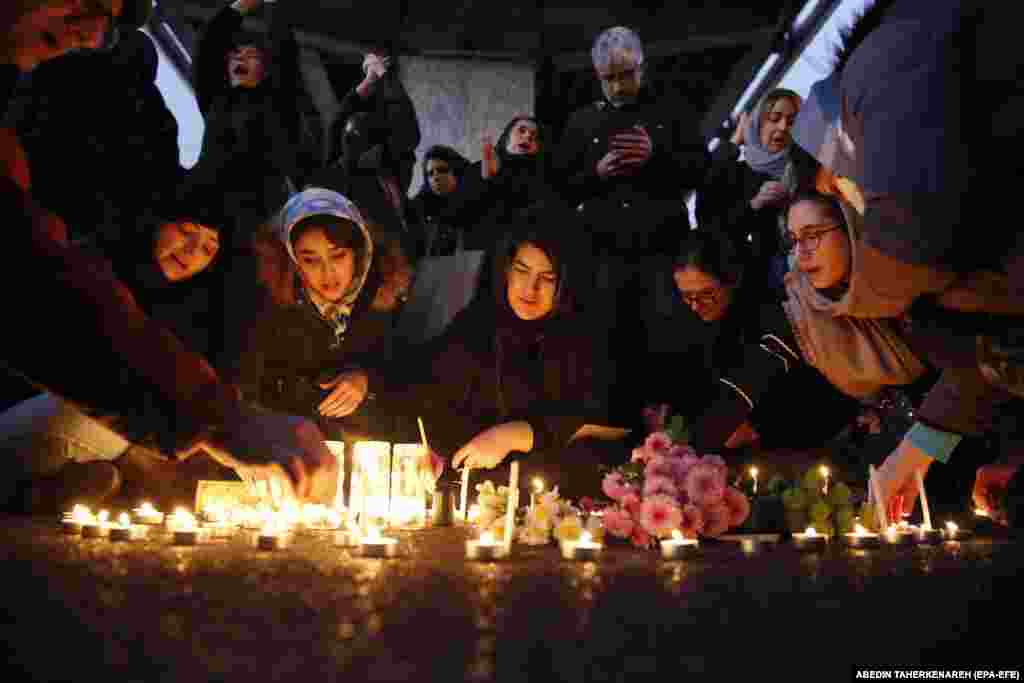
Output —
<point x="251" y="306"/>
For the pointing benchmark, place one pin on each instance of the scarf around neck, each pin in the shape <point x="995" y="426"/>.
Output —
<point x="859" y="356"/>
<point x="759" y="158"/>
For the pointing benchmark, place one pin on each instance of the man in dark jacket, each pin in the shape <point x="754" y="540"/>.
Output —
<point x="627" y="162"/>
<point x="133" y="363"/>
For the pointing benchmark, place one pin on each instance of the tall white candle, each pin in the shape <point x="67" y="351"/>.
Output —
<point x="924" y="500"/>
<point x="513" y="502"/>
<point x="876" y="492"/>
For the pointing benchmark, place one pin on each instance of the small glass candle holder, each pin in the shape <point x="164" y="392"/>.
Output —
<point x="583" y="550"/>
<point x="98" y="527"/>
<point x="678" y="547"/>
<point x="375" y="545"/>
<point x="486" y="548"/>
<point x="900" y="535"/>
<point x="124" y="530"/>
<point x="861" y="538"/>
<point x="72" y="522"/>
<point x="147" y="514"/>
<point x="810" y="540"/>
<point x="927" y="535"/>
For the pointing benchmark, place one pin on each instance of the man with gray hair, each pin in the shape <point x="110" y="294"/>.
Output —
<point x="627" y="162"/>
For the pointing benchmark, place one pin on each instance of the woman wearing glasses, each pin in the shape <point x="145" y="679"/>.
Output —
<point x="814" y="353"/>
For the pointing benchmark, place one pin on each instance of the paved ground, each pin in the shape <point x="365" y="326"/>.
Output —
<point x="93" y="610"/>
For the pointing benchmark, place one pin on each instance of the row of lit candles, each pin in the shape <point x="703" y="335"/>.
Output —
<point x="826" y="475"/>
<point x="896" y="534"/>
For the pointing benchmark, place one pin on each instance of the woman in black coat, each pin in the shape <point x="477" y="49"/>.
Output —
<point x="315" y="355"/>
<point x="514" y="374"/>
<point x="435" y="234"/>
<point x="743" y="199"/>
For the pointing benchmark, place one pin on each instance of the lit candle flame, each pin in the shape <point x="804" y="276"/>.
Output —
<point x="810" y="531"/>
<point x="486" y="538"/>
<point x="333" y="518"/>
<point x="124" y="520"/>
<point x="677" y="535"/>
<point x="538" y="484"/>
<point x="981" y="512"/>
<point x="80" y="514"/>
<point x="585" y="538"/>
<point x="102" y="517"/>
<point x="824" y="471"/>
<point x="859" y="530"/>
<point x="147" y="508"/>
<point x="183" y="520"/>
<point x="951" y="527"/>
<point x="372" y="534"/>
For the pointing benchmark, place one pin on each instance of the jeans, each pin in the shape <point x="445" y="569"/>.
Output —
<point x="41" y="435"/>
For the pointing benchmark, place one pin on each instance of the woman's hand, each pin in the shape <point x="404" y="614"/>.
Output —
<point x="989" y="482"/>
<point x="896" y="480"/>
<point x="349" y="390"/>
<point x="739" y="135"/>
<point x="490" y="447"/>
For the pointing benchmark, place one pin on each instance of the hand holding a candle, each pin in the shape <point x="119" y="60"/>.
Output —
<point x="897" y="481"/>
<point x="286" y="453"/>
<point x="490" y="447"/>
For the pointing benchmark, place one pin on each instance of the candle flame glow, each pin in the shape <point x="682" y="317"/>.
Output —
<point x="80" y="514"/>
<point x="677" y="535"/>
<point x="810" y="531"/>
<point x="147" y="508"/>
<point x="183" y="520"/>
<point x="123" y="519"/>
<point x="372" y="534"/>
<point x="981" y="512"/>
<point x="538" y="484"/>
<point x="102" y="517"/>
<point x="823" y="470"/>
<point x="585" y="537"/>
<point x="951" y="527"/>
<point x="753" y="472"/>
<point x="859" y="530"/>
<point x="487" y="538"/>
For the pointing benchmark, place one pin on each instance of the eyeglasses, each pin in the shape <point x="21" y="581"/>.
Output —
<point x="705" y="297"/>
<point x="808" y="243"/>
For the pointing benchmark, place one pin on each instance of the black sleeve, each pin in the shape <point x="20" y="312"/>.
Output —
<point x="578" y="179"/>
<point x="210" y="74"/>
<point x="718" y="202"/>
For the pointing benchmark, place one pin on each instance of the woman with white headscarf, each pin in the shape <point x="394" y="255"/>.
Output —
<point x="742" y="199"/>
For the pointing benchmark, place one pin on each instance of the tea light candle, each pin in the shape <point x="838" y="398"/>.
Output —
<point x="273" y="535"/>
<point x="900" y="534"/>
<point x="584" y="549"/>
<point x="810" y="540"/>
<point x="677" y="547"/>
<point x="73" y="521"/>
<point x="124" y="530"/>
<point x="98" y="527"/>
<point x="486" y="548"/>
<point x="183" y="526"/>
<point x="753" y="475"/>
<point x="862" y="538"/>
<point x="926" y="535"/>
<point x="981" y="512"/>
<point x="147" y="514"/>
<point x="375" y="545"/>
<point x="347" y="538"/>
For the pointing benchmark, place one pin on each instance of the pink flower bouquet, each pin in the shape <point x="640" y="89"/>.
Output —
<point x="668" y="486"/>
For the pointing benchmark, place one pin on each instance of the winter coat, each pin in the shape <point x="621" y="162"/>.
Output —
<point x="394" y="112"/>
<point x="723" y="206"/>
<point x="295" y="349"/>
<point x="642" y="214"/>
<point x="435" y="233"/>
<point x="101" y="142"/>
<point x="255" y="138"/>
<point x="481" y="372"/>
